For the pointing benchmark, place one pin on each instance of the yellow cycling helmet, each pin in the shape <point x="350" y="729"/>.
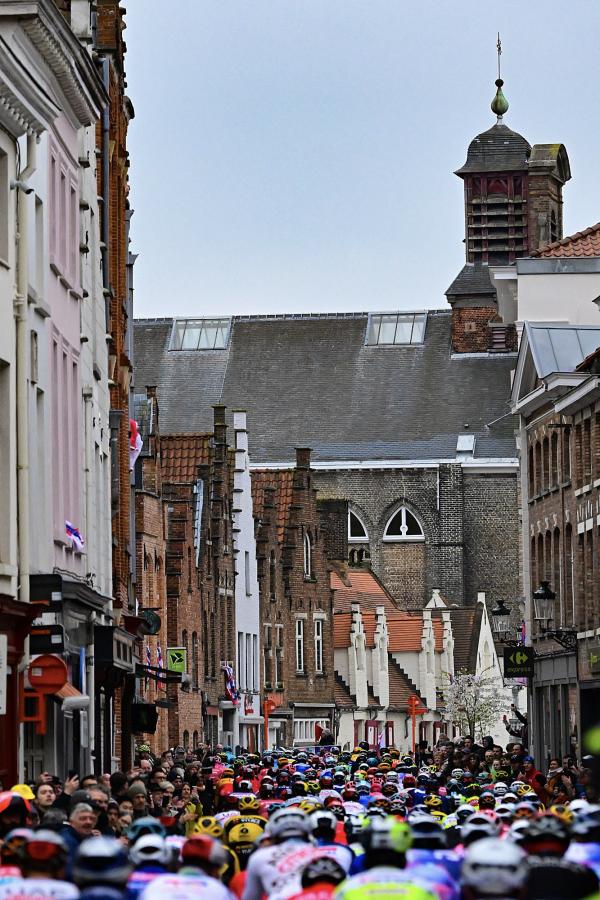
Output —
<point x="249" y="804"/>
<point x="432" y="801"/>
<point x="208" y="825"/>
<point x="524" y="789"/>
<point x="562" y="812"/>
<point x="439" y="815"/>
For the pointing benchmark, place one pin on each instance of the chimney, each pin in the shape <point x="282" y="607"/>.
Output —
<point x="303" y="457"/>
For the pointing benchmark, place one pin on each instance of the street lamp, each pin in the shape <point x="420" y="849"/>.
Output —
<point x="500" y="620"/>
<point x="543" y="602"/>
<point x="543" y="612"/>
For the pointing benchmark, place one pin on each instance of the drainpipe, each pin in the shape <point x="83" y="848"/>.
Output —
<point x="106" y="193"/>
<point x="21" y="300"/>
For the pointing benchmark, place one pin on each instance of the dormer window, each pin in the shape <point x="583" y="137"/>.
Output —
<point x="200" y="334"/>
<point x="403" y="526"/>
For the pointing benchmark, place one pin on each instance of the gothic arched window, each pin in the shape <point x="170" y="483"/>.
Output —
<point x="403" y="526"/>
<point x="356" y="528"/>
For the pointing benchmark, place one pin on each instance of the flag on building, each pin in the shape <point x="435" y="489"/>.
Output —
<point x="148" y="662"/>
<point x="75" y="537"/>
<point x="230" y="685"/>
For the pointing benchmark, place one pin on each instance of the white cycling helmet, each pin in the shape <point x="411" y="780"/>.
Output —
<point x="494" y="868"/>
<point x="290" y="822"/>
<point x="151" y="848"/>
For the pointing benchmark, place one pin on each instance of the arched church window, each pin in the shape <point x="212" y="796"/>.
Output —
<point x="356" y="528"/>
<point x="403" y="526"/>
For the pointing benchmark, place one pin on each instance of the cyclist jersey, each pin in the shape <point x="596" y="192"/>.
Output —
<point x="319" y="891"/>
<point x="450" y="860"/>
<point x="140" y="879"/>
<point x="384" y="883"/>
<point x="30" y="888"/>
<point x="277" y="870"/>
<point x="186" y="887"/>
<point x="587" y="854"/>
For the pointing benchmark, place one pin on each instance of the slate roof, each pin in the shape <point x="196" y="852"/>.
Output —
<point x="582" y="243"/>
<point x="473" y="278"/>
<point x="499" y="149"/>
<point x="312" y="381"/>
<point x="341" y="694"/>
<point x="181" y="454"/>
<point x="560" y="348"/>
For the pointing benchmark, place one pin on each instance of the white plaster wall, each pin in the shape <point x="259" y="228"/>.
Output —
<point x="561" y="298"/>
<point x="8" y="428"/>
<point x="247" y="605"/>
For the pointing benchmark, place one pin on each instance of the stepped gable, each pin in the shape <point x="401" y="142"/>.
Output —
<point x="401" y="687"/>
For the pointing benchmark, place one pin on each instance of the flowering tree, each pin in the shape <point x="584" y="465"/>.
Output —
<point x="473" y="703"/>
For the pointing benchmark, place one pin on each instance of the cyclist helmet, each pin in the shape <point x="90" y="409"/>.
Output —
<point x="387" y="834"/>
<point x="487" y="800"/>
<point x="504" y="812"/>
<point x="11" y="847"/>
<point x="101" y="861"/>
<point x="428" y="833"/>
<point x="433" y="801"/>
<point x="586" y="827"/>
<point x="44" y="851"/>
<point x="524" y="810"/>
<point x="150" y="848"/>
<point x="14" y="810"/>
<point x="203" y="852"/>
<point x="355" y="826"/>
<point x="545" y="835"/>
<point x="324" y="869"/>
<point x="500" y="789"/>
<point x="249" y="804"/>
<point x="145" y="825"/>
<point x="476" y="828"/>
<point x="289" y="822"/>
<point x="493" y="868"/>
<point x="323" y="823"/>
<point x="210" y="826"/>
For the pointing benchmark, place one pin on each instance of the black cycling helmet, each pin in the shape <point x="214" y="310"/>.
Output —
<point x="323" y="869"/>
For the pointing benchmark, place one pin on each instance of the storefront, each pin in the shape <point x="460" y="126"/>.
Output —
<point x="554" y="705"/>
<point x="15" y="618"/>
<point x="589" y="681"/>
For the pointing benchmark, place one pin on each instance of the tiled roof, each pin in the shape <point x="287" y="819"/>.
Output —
<point x="582" y="243"/>
<point x="358" y="402"/>
<point x="181" y="454"/>
<point x="405" y="632"/>
<point x="401" y="687"/>
<point x="341" y="630"/>
<point x="282" y="483"/>
<point x="359" y="586"/>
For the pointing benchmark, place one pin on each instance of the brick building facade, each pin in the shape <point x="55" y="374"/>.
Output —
<point x="296" y="602"/>
<point x="186" y="572"/>
<point x="556" y="393"/>
<point x="108" y="25"/>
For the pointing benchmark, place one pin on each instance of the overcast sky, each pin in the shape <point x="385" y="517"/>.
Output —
<point x="297" y="155"/>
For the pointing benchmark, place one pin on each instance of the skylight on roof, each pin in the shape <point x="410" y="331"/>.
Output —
<point x="200" y="334"/>
<point x="396" y="328"/>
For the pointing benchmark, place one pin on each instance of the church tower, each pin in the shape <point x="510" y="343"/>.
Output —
<point x="513" y="205"/>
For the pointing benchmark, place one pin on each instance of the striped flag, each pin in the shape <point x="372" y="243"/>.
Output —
<point x="75" y="537"/>
<point x="160" y="664"/>
<point x="148" y="662"/>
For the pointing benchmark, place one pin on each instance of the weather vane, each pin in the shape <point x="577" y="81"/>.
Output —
<point x="499" y="49"/>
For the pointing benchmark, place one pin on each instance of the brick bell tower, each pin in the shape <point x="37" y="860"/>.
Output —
<point x="513" y="205"/>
